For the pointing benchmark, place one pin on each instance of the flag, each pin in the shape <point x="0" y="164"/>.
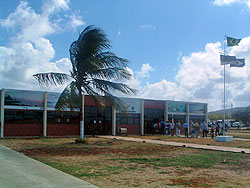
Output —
<point x="238" y="63"/>
<point x="232" y="41"/>
<point x="226" y="59"/>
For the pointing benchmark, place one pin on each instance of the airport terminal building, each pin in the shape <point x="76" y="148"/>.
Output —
<point x="32" y="113"/>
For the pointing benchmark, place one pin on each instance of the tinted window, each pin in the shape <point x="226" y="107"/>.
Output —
<point x="23" y="117"/>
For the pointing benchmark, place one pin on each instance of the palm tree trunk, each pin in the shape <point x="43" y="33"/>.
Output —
<point x="82" y="117"/>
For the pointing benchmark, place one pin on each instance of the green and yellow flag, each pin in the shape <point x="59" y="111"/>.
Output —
<point x="232" y="41"/>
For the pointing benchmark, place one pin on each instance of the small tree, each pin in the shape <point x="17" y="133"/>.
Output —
<point x="95" y="71"/>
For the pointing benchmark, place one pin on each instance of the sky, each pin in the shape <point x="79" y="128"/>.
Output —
<point x="173" y="46"/>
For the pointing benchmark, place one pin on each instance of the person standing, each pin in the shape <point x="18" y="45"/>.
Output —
<point x="212" y="130"/>
<point x="162" y="127"/>
<point x="204" y="129"/>
<point x="172" y="127"/>
<point x="185" y="125"/>
<point x="192" y="128"/>
<point x="168" y="128"/>
<point x="217" y="130"/>
<point x="154" y="127"/>
<point x="196" y="129"/>
<point x="178" y="128"/>
<point x="221" y="129"/>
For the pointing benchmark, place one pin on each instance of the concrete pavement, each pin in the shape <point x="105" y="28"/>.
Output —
<point x="197" y="146"/>
<point x="20" y="171"/>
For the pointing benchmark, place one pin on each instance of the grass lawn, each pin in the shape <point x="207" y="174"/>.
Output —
<point x="115" y="163"/>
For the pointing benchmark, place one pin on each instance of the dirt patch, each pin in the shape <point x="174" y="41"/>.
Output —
<point x="94" y="148"/>
<point x="193" y="182"/>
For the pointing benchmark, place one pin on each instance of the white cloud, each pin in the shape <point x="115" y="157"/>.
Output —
<point x="29" y="51"/>
<point x="148" y="26"/>
<point x="199" y="79"/>
<point x="51" y="6"/>
<point x="75" y="21"/>
<point x="145" y="70"/>
<point x="229" y="2"/>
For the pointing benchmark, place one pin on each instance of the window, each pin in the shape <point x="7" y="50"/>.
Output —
<point x="127" y="119"/>
<point x="150" y="114"/>
<point x="23" y="117"/>
<point x="63" y="117"/>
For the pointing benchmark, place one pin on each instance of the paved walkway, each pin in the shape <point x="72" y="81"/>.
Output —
<point x="20" y="171"/>
<point x="197" y="146"/>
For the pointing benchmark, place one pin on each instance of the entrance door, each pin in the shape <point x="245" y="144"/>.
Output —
<point x="152" y="116"/>
<point x="98" y="121"/>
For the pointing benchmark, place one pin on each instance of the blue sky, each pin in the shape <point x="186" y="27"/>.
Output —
<point x="162" y="39"/>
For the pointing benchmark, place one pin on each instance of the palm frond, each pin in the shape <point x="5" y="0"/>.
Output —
<point x="117" y="103"/>
<point x="73" y="54"/>
<point x="109" y="59"/>
<point x="104" y="86"/>
<point x="52" y="78"/>
<point x="112" y="73"/>
<point x="99" y="100"/>
<point x="93" y="40"/>
<point x="69" y="98"/>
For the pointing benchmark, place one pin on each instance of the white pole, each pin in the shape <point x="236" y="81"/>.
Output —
<point x="82" y="121"/>
<point x="224" y="114"/>
<point x="2" y="112"/>
<point x="142" y="117"/>
<point x="45" y="114"/>
<point x="113" y="121"/>
<point x="166" y="112"/>
<point x="187" y="115"/>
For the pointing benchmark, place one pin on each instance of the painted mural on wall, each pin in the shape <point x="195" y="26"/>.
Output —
<point x="174" y="106"/>
<point x="133" y="105"/>
<point x="24" y="98"/>
<point x="197" y="108"/>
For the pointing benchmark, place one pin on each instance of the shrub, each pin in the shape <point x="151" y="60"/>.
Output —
<point x="82" y="141"/>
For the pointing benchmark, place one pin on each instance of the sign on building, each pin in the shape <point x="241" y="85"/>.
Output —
<point x="197" y="108"/>
<point x="174" y="106"/>
<point x="133" y="105"/>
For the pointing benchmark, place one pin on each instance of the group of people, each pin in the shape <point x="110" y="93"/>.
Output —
<point x="167" y="128"/>
<point x="193" y="129"/>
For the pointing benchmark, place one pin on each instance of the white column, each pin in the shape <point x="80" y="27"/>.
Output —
<point x="142" y="117"/>
<point x="82" y="122"/>
<point x="206" y="113"/>
<point x="166" y="111"/>
<point x="113" y="121"/>
<point x="45" y="114"/>
<point x="187" y="116"/>
<point x="2" y="112"/>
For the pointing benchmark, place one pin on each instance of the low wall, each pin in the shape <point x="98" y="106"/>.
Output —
<point x="23" y="130"/>
<point x="63" y="129"/>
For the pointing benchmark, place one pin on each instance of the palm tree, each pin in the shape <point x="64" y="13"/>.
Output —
<point x="95" y="71"/>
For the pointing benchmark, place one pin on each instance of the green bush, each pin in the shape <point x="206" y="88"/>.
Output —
<point x="82" y="141"/>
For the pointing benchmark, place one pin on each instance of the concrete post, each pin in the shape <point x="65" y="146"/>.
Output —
<point x="45" y="104"/>
<point x="187" y="116"/>
<point x="2" y="112"/>
<point x="142" y="117"/>
<point x="113" y="121"/>
<point x="166" y="111"/>
<point x="82" y="122"/>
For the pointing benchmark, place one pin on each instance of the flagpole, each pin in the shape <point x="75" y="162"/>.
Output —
<point x="224" y="114"/>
